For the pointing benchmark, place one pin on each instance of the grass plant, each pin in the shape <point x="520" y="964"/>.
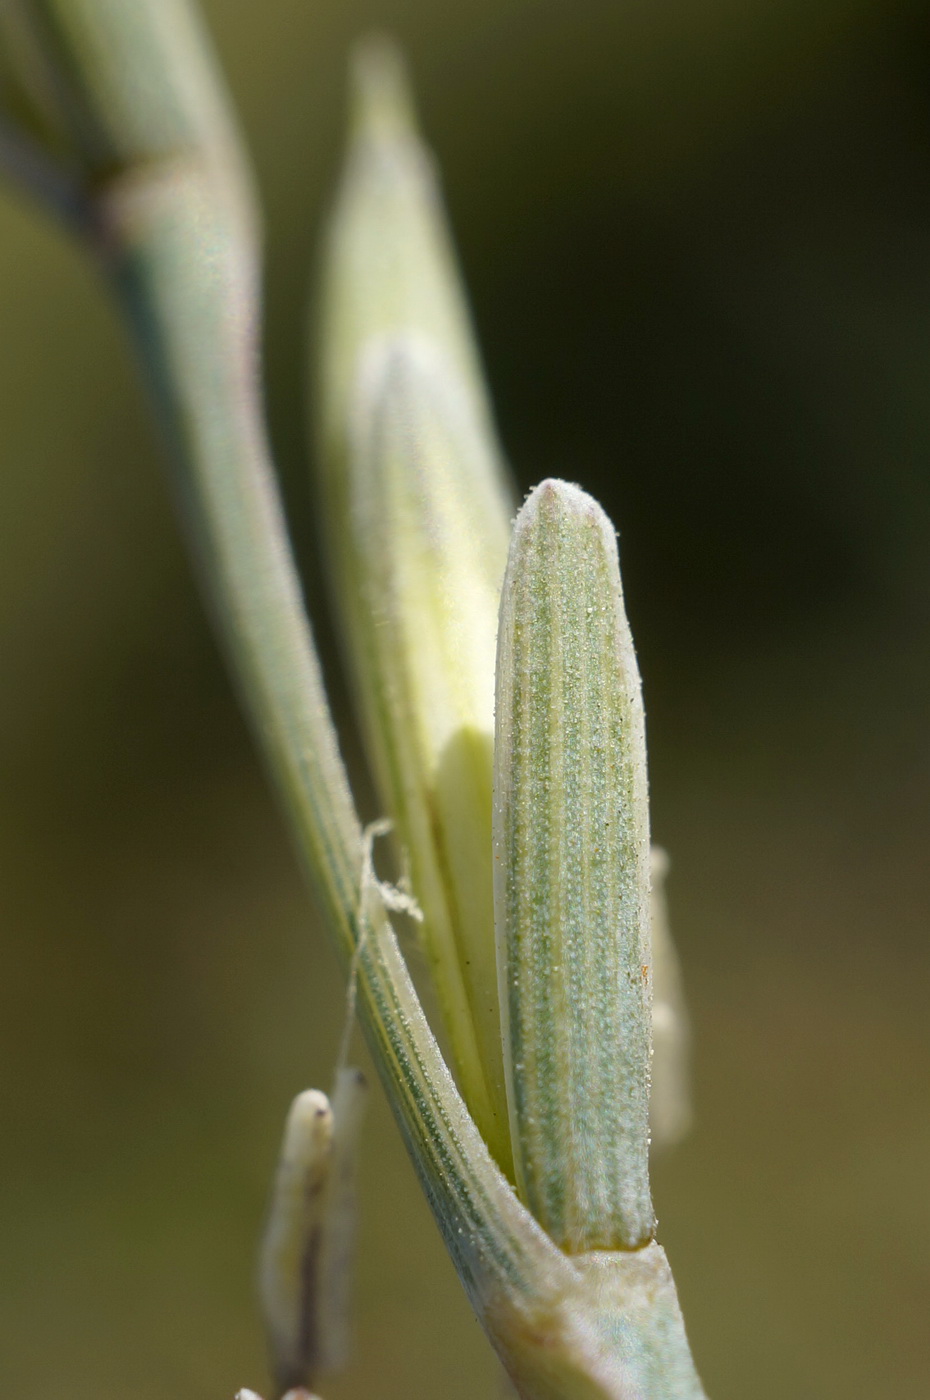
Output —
<point x="526" y="830"/>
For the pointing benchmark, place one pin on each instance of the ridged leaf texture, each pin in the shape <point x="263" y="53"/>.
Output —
<point x="572" y="878"/>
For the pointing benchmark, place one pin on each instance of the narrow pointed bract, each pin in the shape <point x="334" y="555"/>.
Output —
<point x="572" y="878"/>
<point x="418" y="517"/>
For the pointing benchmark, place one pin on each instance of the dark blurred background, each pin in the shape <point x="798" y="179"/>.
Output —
<point x="697" y="238"/>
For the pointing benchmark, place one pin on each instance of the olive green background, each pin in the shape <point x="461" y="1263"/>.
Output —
<point x="697" y="236"/>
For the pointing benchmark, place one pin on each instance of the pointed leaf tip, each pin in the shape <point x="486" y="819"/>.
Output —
<point x="381" y="97"/>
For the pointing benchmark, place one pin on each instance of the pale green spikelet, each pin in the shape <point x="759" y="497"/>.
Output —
<point x="417" y="514"/>
<point x="572" y="878"/>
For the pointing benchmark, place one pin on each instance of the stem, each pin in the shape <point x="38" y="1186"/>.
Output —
<point x="176" y="232"/>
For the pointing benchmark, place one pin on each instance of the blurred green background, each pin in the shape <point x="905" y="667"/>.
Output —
<point x="697" y="238"/>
